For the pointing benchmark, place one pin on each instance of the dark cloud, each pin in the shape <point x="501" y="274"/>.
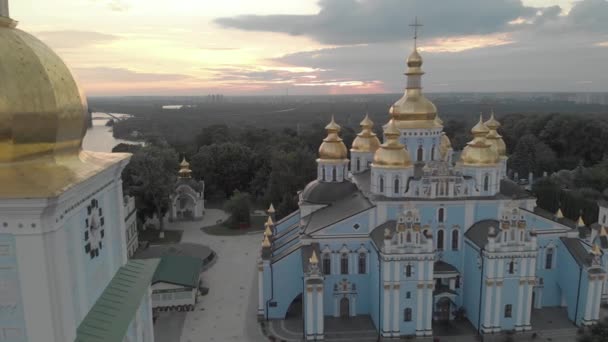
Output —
<point x="68" y="39"/>
<point x="104" y="75"/>
<point x="370" y="21"/>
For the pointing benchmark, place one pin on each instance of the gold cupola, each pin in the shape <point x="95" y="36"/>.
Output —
<point x="478" y="151"/>
<point x="366" y="141"/>
<point x="184" y="169"/>
<point x="414" y="110"/>
<point x="333" y="147"/>
<point x="392" y="154"/>
<point x="42" y="119"/>
<point x="494" y="138"/>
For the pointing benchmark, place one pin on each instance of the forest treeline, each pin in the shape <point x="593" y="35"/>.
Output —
<point x="273" y="164"/>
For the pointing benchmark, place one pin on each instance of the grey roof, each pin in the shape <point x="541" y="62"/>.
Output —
<point x="478" y="233"/>
<point x="580" y="254"/>
<point x="363" y="180"/>
<point x="327" y="192"/>
<point x="377" y="234"/>
<point x="442" y="267"/>
<point x="551" y="216"/>
<point x="511" y="189"/>
<point x="352" y="204"/>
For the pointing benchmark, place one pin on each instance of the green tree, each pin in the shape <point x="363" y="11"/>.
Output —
<point x="531" y="155"/>
<point x="152" y="171"/>
<point x="239" y="207"/>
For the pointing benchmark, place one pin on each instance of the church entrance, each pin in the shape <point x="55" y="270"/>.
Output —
<point x="344" y="308"/>
<point x="443" y="309"/>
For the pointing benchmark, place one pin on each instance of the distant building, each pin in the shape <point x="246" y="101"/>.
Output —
<point x="131" y="225"/>
<point x="412" y="235"/>
<point x="176" y="282"/>
<point x="188" y="199"/>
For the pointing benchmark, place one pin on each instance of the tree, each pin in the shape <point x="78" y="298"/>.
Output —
<point x="239" y="207"/>
<point x="152" y="171"/>
<point x="597" y="333"/>
<point x="532" y="155"/>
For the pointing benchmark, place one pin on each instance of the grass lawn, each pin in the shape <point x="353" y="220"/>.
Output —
<point x="257" y="224"/>
<point x="151" y="235"/>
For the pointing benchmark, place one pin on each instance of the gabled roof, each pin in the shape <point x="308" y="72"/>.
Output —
<point x="178" y="270"/>
<point x="353" y="204"/>
<point x="327" y="192"/>
<point x="110" y="317"/>
<point x="442" y="267"/>
<point x="578" y="251"/>
<point x="478" y="233"/>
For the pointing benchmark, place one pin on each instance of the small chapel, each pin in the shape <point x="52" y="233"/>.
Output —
<point x="188" y="198"/>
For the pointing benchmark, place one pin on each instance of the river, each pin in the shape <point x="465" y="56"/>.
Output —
<point x="99" y="138"/>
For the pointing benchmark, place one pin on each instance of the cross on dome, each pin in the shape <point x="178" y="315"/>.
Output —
<point x="416" y="25"/>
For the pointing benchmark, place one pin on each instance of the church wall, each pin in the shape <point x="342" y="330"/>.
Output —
<point x="12" y="323"/>
<point x="374" y="288"/>
<point x="551" y="290"/>
<point x="471" y="284"/>
<point x="568" y="285"/>
<point x="347" y="226"/>
<point x="509" y="296"/>
<point x="287" y="282"/>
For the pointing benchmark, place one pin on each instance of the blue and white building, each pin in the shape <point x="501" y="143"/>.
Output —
<point x="411" y="235"/>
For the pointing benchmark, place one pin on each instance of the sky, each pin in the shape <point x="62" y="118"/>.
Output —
<point x="270" y="47"/>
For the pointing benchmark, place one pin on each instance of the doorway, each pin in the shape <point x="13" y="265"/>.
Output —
<point x="443" y="309"/>
<point x="344" y="308"/>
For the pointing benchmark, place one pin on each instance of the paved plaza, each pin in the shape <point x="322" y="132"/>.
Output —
<point x="228" y="312"/>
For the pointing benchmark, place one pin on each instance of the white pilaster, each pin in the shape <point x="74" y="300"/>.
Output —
<point x="419" y="302"/>
<point x="260" y="290"/>
<point x="309" y="312"/>
<point x="320" y="314"/>
<point x="429" y="309"/>
<point x="498" y="307"/>
<point x="597" y="301"/>
<point x="528" y="308"/>
<point x="396" y="314"/>
<point x="489" y="289"/>
<point x="589" y="304"/>
<point x="386" y="303"/>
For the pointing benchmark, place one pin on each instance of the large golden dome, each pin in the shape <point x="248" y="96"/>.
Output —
<point x="478" y="151"/>
<point x="42" y="111"/>
<point x="333" y="147"/>
<point x="42" y="121"/>
<point x="366" y="141"/>
<point x="392" y="154"/>
<point x="414" y="110"/>
<point x="494" y="138"/>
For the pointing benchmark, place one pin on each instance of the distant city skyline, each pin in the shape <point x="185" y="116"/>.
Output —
<point x="232" y="47"/>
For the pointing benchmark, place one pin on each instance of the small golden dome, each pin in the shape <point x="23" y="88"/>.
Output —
<point x="414" y="60"/>
<point x="42" y="111"/>
<point x="184" y="169"/>
<point x="496" y="142"/>
<point x="366" y="140"/>
<point x="333" y="147"/>
<point x="392" y="154"/>
<point x="492" y="123"/>
<point x="478" y="151"/>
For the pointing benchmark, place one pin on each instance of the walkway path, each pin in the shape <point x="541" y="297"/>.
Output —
<point x="228" y="312"/>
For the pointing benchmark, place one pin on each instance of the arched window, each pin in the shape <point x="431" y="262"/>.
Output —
<point x="433" y="153"/>
<point x="455" y="240"/>
<point x="358" y="164"/>
<point x="511" y="267"/>
<point x="486" y="183"/>
<point x="440" y="239"/>
<point x="420" y="153"/>
<point x="334" y="174"/>
<point x="440" y="214"/>
<point x="323" y="178"/>
<point x="396" y="186"/>
<point x="549" y="259"/>
<point x="326" y="263"/>
<point x="407" y="315"/>
<point x="408" y="237"/>
<point x="381" y="185"/>
<point x="344" y="263"/>
<point x="362" y="263"/>
<point x="408" y="271"/>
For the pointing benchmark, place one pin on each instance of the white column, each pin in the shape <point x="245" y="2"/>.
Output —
<point x="386" y="317"/>
<point x="419" y="308"/>
<point x="528" y="307"/>
<point x="260" y="290"/>
<point x="589" y="304"/>
<point x="520" y="291"/>
<point x="309" y="311"/>
<point x="320" y="314"/>
<point x="489" y="290"/>
<point x="429" y="309"/>
<point x="396" y="314"/>
<point x="498" y="307"/>
<point x="598" y="300"/>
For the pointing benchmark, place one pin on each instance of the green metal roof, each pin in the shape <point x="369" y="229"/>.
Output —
<point x="109" y="319"/>
<point x="179" y="270"/>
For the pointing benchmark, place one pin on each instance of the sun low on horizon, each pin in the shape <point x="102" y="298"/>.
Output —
<point x="238" y="47"/>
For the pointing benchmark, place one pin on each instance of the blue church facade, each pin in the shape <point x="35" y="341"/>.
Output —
<point x="407" y="234"/>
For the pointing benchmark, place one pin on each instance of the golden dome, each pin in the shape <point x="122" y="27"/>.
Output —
<point x="496" y="142"/>
<point x="42" y="121"/>
<point x="478" y="151"/>
<point x="366" y="141"/>
<point x="392" y="154"/>
<point x="333" y="147"/>
<point x="492" y="123"/>
<point x="184" y="169"/>
<point x="414" y="110"/>
<point x="42" y="111"/>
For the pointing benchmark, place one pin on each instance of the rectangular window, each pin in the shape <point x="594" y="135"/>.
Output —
<point x="549" y="259"/>
<point x="408" y="271"/>
<point x="344" y="264"/>
<point x="327" y="264"/>
<point x="508" y="309"/>
<point x="408" y="295"/>
<point x="407" y="315"/>
<point x="362" y="262"/>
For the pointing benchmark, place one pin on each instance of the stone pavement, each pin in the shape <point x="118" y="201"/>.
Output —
<point x="228" y="312"/>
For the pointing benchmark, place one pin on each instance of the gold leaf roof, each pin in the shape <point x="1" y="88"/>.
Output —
<point x="392" y="154"/>
<point x="366" y="140"/>
<point x="333" y="147"/>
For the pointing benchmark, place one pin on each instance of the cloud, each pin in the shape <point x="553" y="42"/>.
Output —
<point x="343" y="22"/>
<point x="106" y="75"/>
<point x="69" y="39"/>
